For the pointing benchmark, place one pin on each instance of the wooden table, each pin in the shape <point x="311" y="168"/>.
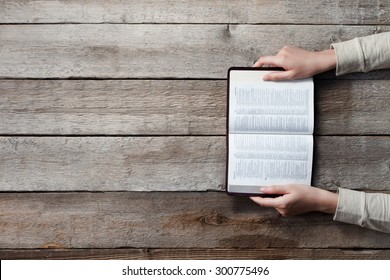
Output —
<point x="113" y="129"/>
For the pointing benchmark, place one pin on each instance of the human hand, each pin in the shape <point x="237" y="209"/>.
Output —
<point x="298" y="199"/>
<point x="298" y="63"/>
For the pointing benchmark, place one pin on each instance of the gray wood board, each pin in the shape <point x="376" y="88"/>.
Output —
<point x="194" y="163"/>
<point x="194" y="254"/>
<point x="112" y="107"/>
<point x="167" y="220"/>
<point x="196" y="11"/>
<point x="172" y="107"/>
<point x="153" y="50"/>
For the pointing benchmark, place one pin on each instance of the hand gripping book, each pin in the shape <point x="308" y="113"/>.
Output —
<point x="269" y="131"/>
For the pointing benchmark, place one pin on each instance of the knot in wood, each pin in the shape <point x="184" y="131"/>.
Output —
<point x="213" y="218"/>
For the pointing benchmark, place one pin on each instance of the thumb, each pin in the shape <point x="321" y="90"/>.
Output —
<point x="278" y="76"/>
<point x="276" y="189"/>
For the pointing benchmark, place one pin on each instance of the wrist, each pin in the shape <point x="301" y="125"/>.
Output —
<point x="327" y="202"/>
<point x="327" y="60"/>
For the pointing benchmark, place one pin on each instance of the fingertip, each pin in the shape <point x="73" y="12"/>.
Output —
<point x="254" y="199"/>
<point x="259" y="200"/>
<point x="257" y="64"/>
<point x="267" y="78"/>
<point x="280" y="76"/>
<point x="273" y="77"/>
<point x="265" y="61"/>
<point x="275" y="189"/>
<point x="269" y="189"/>
<point x="265" y="189"/>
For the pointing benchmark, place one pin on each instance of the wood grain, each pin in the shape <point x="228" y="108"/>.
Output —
<point x="196" y="11"/>
<point x="112" y="163"/>
<point x="347" y="161"/>
<point x="352" y="107"/>
<point x="126" y="158"/>
<point x="167" y="220"/>
<point x="120" y="107"/>
<point x="194" y="163"/>
<point x="153" y="51"/>
<point x="195" y="254"/>
<point x="172" y="107"/>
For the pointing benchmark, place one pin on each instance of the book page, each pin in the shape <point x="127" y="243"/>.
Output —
<point x="260" y="160"/>
<point x="256" y="106"/>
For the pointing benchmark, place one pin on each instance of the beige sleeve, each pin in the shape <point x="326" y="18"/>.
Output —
<point x="363" y="54"/>
<point x="371" y="210"/>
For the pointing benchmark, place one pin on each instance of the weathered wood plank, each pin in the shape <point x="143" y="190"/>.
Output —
<point x="153" y="51"/>
<point x="112" y="163"/>
<point x="352" y="107"/>
<point x="167" y="220"/>
<point x="171" y="163"/>
<point x="194" y="254"/>
<point x="171" y="107"/>
<point x="196" y="11"/>
<point x="141" y="107"/>
<point x="347" y="161"/>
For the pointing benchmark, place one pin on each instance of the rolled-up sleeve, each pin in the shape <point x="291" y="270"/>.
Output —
<point x="363" y="54"/>
<point x="371" y="210"/>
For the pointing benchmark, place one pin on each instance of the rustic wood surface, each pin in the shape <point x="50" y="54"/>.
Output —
<point x="114" y="107"/>
<point x="172" y="107"/>
<point x="132" y="51"/>
<point x="112" y="163"/>
<point x="196" y="11"/>
<point x="167" y="220"/>
<point x="178" y="163"/>
<point x="112" y="129"/>
<point x="195" y="254"/>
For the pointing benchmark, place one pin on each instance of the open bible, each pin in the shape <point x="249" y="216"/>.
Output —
<point x="269" y="131"/>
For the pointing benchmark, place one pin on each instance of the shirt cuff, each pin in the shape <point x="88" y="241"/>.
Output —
<point x="351" y="207"/>
<point x="349" y="57"/>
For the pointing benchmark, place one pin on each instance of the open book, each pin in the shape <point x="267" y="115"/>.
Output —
<point x="269" y="131"/>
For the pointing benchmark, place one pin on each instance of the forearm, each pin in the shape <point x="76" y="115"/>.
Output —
<point x="363" y="54"/>
<point x="369" y="210"/>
